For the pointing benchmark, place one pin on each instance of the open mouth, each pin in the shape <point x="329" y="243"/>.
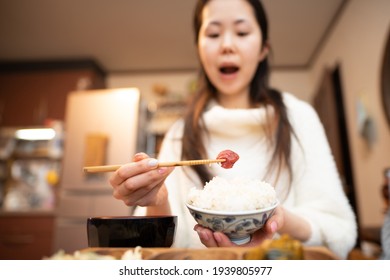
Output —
<point x="228" y="69"/>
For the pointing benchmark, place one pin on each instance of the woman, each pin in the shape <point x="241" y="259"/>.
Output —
<point x="278" y="138"/>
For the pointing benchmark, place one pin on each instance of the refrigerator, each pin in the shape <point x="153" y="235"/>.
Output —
<point x="102" y="127"/>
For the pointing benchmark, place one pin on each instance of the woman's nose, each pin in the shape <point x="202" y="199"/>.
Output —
<point x="227" y="44"/>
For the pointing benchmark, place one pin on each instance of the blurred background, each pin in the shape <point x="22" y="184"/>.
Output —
<point x="67" y="66"/>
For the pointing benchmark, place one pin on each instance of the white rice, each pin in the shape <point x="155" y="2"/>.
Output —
<point x="233" y="195"/>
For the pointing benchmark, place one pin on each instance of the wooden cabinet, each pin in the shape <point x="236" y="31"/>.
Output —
<point x="26" y="236"/>
<point x="32" y="92"/>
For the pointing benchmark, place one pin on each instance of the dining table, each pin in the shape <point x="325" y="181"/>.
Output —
<point x="226" y="253"/>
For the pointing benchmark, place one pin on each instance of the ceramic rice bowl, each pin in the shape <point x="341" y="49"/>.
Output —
<point x="238" y="226"/>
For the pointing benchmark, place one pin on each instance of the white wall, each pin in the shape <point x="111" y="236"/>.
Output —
<point x="177" y="83"/>
<point x="296" y="82"/>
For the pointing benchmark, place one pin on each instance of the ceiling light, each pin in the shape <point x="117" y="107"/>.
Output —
<point x="35" y="134"/>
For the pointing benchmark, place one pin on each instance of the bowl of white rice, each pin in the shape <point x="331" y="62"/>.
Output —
<point x="237" y="207"/>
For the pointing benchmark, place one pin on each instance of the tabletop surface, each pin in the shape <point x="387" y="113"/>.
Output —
<point x="236" y="253"/>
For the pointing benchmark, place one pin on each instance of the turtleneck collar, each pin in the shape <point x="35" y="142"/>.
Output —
<point x="235" y="122"/>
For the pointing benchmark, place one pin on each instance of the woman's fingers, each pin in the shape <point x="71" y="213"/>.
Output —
<point x="212" y="239"/>
<point x="140" y="156"/>
<point x="140" y="192"/>
<point x="206" y="236"/>
<point x="132" y="169"/>
<point x="223" y="240"/>
<point x="151" y="198"/>
<point x="274" y="223"/>
<point x="139" y="182"/>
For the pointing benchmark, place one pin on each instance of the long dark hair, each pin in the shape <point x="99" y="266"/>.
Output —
<point x="279" y="129"/>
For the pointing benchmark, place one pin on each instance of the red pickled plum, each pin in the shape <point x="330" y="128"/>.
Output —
<point x="230" y="158"/>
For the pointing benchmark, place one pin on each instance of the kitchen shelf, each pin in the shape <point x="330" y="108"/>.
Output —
<point x="29" y="175"/>
<point x="43" y="155"/>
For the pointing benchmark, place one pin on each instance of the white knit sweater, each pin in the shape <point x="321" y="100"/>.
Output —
<point x="316" y="193"/>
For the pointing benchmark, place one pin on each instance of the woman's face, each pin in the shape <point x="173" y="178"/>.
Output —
<point x="230" y="48"/>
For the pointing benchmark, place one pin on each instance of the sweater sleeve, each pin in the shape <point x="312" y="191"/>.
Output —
<point x="318" y="192"/>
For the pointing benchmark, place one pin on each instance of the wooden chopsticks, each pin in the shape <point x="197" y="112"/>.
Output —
<point x="111" y="168"/>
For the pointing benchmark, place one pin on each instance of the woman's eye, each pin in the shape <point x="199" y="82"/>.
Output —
<point x="242" y="34"/>
<point x="213" y="35"/>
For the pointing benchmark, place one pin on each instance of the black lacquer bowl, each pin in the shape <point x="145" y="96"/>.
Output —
<point x="131" y="231"/>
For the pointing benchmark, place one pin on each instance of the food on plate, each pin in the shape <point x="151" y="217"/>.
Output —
<point x="78" y="255"/>
<point x="135" y="254"/>
<point x="238" y="194"/>
<point x="130" y="254"/>
<point x="230" y="158"/>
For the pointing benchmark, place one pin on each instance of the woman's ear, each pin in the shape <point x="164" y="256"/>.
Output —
<point x="264" y="52"/>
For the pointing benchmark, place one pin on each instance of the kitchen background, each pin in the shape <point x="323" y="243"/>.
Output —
<point x="54" y="54"/>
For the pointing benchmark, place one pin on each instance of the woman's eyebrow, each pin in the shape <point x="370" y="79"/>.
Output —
<point x="219" y="23"/>
<point x="239" y="21"/>
<point x="214" y="22"/>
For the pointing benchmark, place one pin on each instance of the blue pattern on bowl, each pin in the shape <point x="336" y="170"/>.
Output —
<point x="238" y="226"/>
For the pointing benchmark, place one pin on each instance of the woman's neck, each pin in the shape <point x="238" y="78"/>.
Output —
<point x="234" y="101"/>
